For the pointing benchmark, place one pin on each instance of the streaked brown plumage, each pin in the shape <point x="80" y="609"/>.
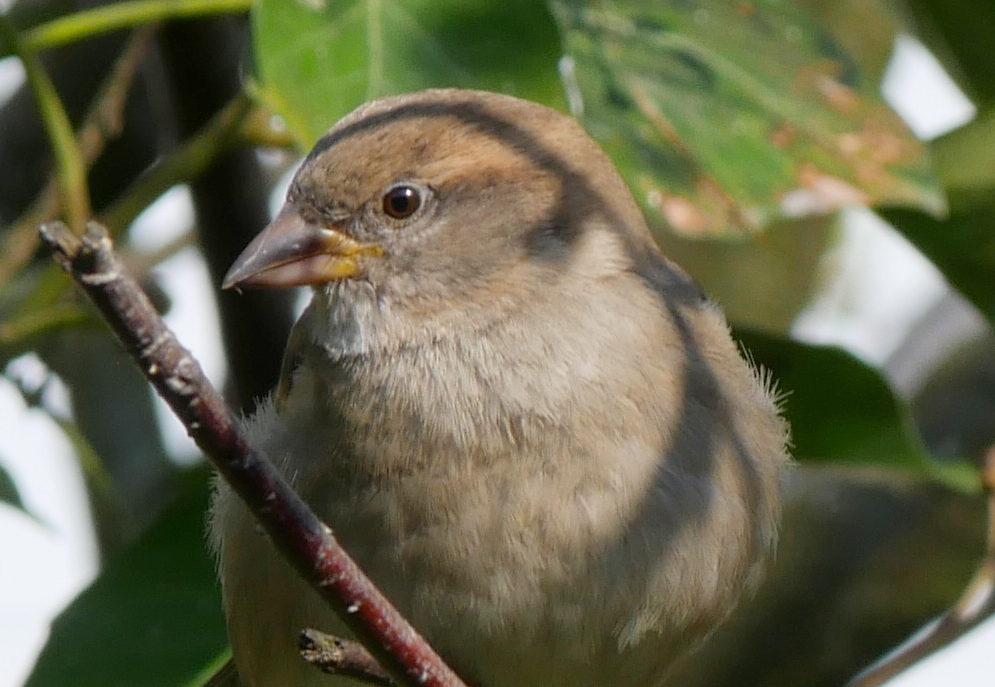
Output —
<point x="531" y="429"/>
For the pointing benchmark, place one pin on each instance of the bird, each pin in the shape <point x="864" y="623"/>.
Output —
<point x="532" y="430"/>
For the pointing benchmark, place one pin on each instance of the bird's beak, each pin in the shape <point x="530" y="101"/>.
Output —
<point x="293" y="251"/>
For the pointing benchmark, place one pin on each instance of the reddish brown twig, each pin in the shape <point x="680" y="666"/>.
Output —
<point x="340" y="656"/>
<point x="302" y="538"/>
<point x="975" y="604"/>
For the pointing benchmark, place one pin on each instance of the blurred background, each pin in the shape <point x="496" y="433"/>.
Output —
<point x="824" y="168"/>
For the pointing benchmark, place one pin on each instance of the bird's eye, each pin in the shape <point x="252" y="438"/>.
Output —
<point x="401" y="202"/>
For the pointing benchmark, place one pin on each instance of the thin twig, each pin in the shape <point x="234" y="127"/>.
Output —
<point x="103" y="122"/>
<point x="22" y="329"/>
<point x="340" y="656"/>
<point x="69" y="161"/>
<point x="183" y="164"/>
<point x="302" y="538"/>
<point x="975" y="604"/>
<point x="258" y="129"/>
<point x="122" y="15"/>
<point x="138" y="264"/>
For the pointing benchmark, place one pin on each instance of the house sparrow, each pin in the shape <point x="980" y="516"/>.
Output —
<point x="530" y="429"/>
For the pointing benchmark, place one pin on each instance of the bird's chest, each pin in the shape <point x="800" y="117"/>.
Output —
<point x="498" y="497"/>
<point x="460" y="497"/>
<point x="416" y="457"/>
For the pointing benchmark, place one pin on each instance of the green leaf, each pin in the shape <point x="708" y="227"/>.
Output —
<point x="781" y="266"/>
<point x="864" y="28"/>
<point x="723" y="116"/>
<point x="318" y="60"/>
<point x="961" y="246"/>
<point x="960" y="33"/>
<point x="965" y="161"/>
<point x="153" y="618"/>
<point x="842" y="411"/>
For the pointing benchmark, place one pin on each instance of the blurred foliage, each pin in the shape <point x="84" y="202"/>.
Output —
<point x="961" y="244"/>
<point x="153" y="618"/>
<point x="848" y="579"/>
<point x="781" y="265"/>
<point x="741" y="127"/>
<point x="318" y="61"/>
<point x="856" y="420"/>
<point x="959" y="32"/>
<point x="723" y="116"/>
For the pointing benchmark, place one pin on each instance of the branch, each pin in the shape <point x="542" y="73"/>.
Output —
<point x="103" y="122"/>
<point x="302" y="538"/>
<point x="122" y="15"/>
<point x="339" y="656"/>
<point x="259" y="129"/>
<point x="975" y="604"/>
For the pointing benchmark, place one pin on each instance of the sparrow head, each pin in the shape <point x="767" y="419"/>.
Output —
<point x="443" y="196"/>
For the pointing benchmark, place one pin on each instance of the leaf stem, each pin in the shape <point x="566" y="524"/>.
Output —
<point x="103" y="122"/>
<point x="181" y="165"/>
<point x="69" y="161"/>
<point x="121" y="15"/>
<point x="259" y="130"/>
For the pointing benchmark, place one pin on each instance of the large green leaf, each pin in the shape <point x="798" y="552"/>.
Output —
<point x="726" y="115"/>
<point x="960" y="33"/>
<point x="318" y="60"/>
<point x="842" y="411"/>
<point x="153" y="618"/>
<point x="962" y="247"/>
<point x="865" y="29"/>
